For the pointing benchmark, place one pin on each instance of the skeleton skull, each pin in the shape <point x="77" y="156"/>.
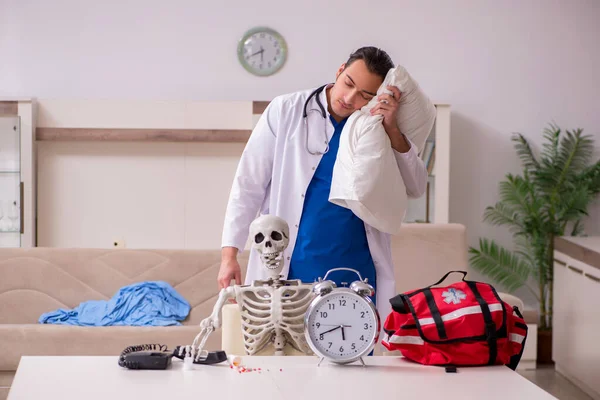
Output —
<point x="270" y="237"/>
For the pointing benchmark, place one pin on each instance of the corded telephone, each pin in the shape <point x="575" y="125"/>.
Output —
<point x="156" y="356"/>
<point x="145" y="356"/>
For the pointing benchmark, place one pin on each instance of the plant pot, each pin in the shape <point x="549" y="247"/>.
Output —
<point x="544" y="347"/>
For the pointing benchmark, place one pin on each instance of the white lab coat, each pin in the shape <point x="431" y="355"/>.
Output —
<point x="273" y="175"/>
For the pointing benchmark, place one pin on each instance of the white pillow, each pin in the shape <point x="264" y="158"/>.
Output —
<point x="366" y="178"/>
<point x="416" y="112"/>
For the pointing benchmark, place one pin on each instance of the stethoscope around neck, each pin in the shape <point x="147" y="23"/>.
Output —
<point x="305" y="112"/>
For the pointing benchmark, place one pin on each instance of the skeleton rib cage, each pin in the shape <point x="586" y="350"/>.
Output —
<point x="264" y="311"/>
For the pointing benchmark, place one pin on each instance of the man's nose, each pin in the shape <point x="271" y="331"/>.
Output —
<point x="349" y="98"/>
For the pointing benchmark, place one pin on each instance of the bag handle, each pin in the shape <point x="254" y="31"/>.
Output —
<point x="397" y="301"/>
<point x="448" y="273"/>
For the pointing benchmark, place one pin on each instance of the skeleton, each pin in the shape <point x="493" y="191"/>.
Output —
<point x="272" y="310"/>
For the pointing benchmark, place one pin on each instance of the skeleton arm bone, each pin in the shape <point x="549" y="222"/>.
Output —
<point x="224" y="295"/>
<point x="208" y="325"/>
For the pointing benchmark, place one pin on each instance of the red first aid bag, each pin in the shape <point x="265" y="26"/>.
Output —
<point x="465" y="323"/>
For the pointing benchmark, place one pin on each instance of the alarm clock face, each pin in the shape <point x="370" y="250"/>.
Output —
<point x="342" y="326"/>
<point x="262" y="51"/>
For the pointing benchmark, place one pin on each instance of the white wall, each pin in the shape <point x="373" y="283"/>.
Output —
<point x="510" y="66"/>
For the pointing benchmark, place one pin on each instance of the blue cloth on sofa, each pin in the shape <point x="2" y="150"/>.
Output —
<point x="145" y="303"/>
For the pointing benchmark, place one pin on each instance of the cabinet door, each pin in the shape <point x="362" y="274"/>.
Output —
<point x="589" y="363"/>
<point x="573" y="342"/>
<point x="564" y="303"/>
<point x="10" y="182"/>
<point x="577" y="321"/>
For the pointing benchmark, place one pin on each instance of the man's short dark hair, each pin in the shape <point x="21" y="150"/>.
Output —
<point x="377" y="61"/>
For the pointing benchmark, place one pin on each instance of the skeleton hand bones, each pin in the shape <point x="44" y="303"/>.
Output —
<point x="207" y="326"/>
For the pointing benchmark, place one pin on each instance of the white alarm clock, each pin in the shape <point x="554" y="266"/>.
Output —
<point x="342" y="324"/>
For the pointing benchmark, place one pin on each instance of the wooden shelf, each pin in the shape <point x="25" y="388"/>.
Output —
<point x="146" y="121"/>
<point x="137" y="135"/>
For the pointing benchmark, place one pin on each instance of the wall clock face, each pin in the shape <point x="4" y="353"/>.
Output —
<point x="262" y="51"/>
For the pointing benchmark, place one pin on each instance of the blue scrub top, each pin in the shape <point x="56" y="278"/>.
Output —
<point x="330" y="236"/>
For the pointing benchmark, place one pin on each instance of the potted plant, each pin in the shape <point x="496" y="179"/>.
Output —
<point x="550" y="198"/>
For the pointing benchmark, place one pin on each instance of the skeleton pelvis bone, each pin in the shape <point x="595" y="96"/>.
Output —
<point x="271" y="311"/>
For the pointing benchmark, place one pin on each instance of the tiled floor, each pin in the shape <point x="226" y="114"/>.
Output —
<point x="554" y="383"/>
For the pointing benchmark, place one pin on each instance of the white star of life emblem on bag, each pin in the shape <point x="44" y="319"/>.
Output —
<point x="453" y="296"/>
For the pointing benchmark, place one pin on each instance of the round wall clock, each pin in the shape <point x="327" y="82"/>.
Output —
<point x="262" y="51"/>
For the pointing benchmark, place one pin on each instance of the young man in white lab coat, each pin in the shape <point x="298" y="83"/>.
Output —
<point x="286" y="170"/>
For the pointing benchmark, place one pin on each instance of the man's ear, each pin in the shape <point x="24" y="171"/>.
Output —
<point x="340" y="70"/>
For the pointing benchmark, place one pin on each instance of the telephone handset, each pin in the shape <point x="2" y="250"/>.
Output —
<point x="156" y="356"/>
<point x="145" y="356"/>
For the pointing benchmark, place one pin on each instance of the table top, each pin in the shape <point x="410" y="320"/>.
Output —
<point x="289" y="377"/>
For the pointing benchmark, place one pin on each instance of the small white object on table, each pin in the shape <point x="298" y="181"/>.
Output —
<point x="289" y="377"/>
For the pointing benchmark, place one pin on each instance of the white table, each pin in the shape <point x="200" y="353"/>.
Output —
<point x="287" y="378"/>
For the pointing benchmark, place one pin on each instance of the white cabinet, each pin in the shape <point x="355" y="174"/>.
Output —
<point x="17" y="173"/>
<point x="576" y="349"/>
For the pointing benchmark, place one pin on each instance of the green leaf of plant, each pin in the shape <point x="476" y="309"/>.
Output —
<point x="524" y="152"/>
<point x="503" y="214"/>
<point x="548" y="199"/>
<point x="499" y="264"/>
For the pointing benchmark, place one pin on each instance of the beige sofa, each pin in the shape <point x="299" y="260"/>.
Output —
<point x="38" y="280"/>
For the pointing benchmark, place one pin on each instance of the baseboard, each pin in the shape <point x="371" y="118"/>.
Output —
<point x="589" y="391"/>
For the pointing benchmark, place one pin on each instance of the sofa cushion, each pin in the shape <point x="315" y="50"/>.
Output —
<point x="40" y="340"/>
<point x="423" y="253"/>
<point x="530" y="316"/>
<point x="6" y="378"/>
<point x="37" y="280"/>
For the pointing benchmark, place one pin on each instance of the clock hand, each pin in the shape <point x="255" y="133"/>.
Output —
<point x="331" y="330"/>
<point x="258" y="52"/>
<point x="343" y="335"/>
